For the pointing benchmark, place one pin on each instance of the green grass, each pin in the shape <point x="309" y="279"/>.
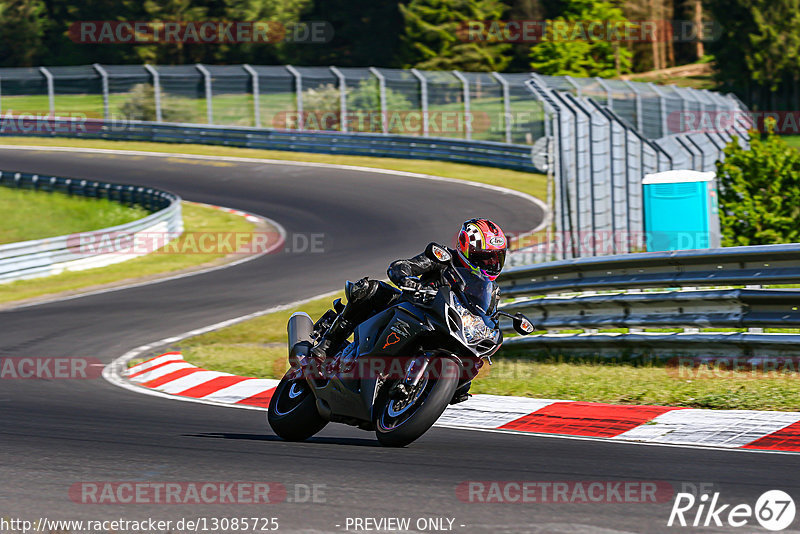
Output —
<point x="28" y="215"/>
<point x="792" y="140"/>
<point x="252" y="348"/>
<point x="195" y="219"/>
<point x="530" y="183"/>
<point x="624" y="383"/>
<point x="258" y="348"/>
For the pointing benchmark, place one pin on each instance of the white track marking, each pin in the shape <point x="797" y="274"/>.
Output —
<point x="242" y="390"/>
<point x="728" y="428"/>
<point x="147" y="376"/>
<point x="189" y="381"/>
<point x="490" y="411"/>
<point x="170" y="356"/>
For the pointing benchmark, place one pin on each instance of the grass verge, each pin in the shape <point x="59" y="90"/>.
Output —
<point x="530" y="183"/>
<point x="195" y="218"/>
<point x="258" y="348"/>
<point x="29" y="215"/>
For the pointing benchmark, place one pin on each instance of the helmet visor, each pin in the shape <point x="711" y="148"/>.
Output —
<point x="491" y="261"/>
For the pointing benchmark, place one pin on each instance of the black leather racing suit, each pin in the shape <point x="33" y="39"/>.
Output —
<point x="367" y="297"/>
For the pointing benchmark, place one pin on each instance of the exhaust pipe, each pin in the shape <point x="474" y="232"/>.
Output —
<point x="299" y="329"/>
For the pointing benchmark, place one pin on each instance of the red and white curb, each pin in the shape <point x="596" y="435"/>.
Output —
<point x="170" y="375"/>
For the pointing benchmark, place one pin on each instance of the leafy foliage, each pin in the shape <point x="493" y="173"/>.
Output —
<point x="141" y="105"/>
<point x="22" y="25"/>
<point x="363" y="105"/>
<point x="433" y="39"/>
<point x="759" y="45"/>
<point x="760" y="193"/>
<point x="583" y="57"/>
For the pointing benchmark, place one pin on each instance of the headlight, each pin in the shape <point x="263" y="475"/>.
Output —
<point x="475" y="329"/>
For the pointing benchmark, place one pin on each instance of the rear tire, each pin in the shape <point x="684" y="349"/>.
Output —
<point x="399" y="422"/>
<point x="292" y="412"/>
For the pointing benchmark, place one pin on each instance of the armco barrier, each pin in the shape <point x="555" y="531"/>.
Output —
<point x="665" y="295"/>
<point x="487" y="153"/>
<point x="31" y="259"/>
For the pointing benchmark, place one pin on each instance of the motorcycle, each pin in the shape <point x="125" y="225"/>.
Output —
<point x="404" y="365"/>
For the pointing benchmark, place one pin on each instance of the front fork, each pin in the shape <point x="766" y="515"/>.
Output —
<point x="414" y="372"/>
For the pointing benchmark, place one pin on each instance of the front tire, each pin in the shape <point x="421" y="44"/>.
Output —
<point x="292" y="412"/>
<point x="399" y="422"/>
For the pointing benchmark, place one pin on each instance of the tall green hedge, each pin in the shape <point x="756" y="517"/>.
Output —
<point x="760" y="193"/>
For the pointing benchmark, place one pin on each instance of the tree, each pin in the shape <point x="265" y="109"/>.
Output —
<point x="286" y="13"/>
<point x="366" y="32"/>
<point x="583" y="56"/>
<point x="758" y="49"/>
<point x="22" y="25"/>
<point x="434" y="38"/>
<point x="173" y="11"/>
<point x="759" y="192"/>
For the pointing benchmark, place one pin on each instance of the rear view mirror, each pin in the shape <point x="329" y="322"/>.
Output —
<point x="522" y="325"/>
<point x="438" y="254"/>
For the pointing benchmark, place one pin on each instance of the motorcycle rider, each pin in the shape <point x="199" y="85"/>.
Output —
<point x="481" y="249"/>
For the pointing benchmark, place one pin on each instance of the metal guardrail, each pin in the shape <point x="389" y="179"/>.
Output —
<point x="763" y="264"/>
<point x="486" y="153"/>
<point x="731" y="308"/>
<point x="690" y="309"/>
<point x="43" y="257"/>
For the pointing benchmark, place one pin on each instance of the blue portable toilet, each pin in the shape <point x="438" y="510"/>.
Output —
<point x="681" y="210"/>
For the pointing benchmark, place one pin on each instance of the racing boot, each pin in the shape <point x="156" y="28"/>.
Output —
<point x="332" y="338"/>
<point x="359" y="296"/>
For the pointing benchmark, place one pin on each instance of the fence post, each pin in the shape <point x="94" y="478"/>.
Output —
<point x="50" y="89"/>
<point x="467" y="114"/>
<point x="298" y="89"/>
<point x="382" y="95"/>
<point x="342" y="98"/>
<point x="638" y="104"/>
<point x="209" y="105"/>
<point x="156" y="89"/>
<point x="662" y="103"/>
<point x="506" y="105"/>
<point x="609" y="98"/>
<point x="104" y="83"/>
<point x="574" y="84"/>
<point x="423" y="99"/>
<point x="256" y="107"/>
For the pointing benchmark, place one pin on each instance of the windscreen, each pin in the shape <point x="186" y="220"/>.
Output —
<point x="479" y="290"/>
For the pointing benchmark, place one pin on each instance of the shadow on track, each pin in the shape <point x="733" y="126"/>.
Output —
<point x="359" y="442"/>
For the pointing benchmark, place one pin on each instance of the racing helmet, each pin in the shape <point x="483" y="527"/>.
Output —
<point x="482" y="247"/>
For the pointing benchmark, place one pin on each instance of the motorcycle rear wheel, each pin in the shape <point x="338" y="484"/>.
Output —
<point x="400" y="422"/>
<point x="292" y="412"/>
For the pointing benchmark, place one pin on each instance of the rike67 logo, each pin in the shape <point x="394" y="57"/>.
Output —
<point x="774" y="510"/>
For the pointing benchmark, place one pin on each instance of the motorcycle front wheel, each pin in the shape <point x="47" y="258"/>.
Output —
<point x="398" y="422"/>
<point x="293" y="413"/>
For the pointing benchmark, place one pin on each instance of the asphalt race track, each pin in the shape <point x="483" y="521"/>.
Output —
<point x="59" y="433"/>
